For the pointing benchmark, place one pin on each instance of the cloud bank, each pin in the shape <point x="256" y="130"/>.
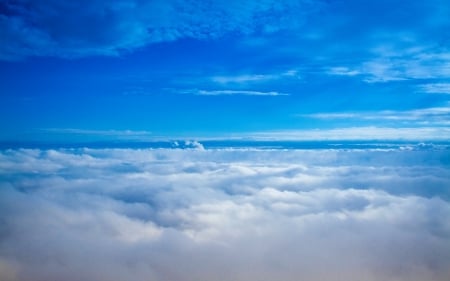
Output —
<point x="173" y="214"/>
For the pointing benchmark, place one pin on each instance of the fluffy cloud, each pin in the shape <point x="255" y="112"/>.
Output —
<point x="174" y="214"/>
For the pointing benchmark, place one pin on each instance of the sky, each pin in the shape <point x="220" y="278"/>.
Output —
<point x="139" y="70"/>
<point x="228" y="140"/>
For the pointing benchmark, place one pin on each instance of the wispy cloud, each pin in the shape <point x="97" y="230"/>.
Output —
<point x="254" y="78"/>
<point x="109" y="28"/>
<point x="242" y="78"/>
<point x="399" y="65"/>
<point x="357" y="133"/>
<point x="436" y="88"/>
<point x="342" y="71"/>
<point x="98" y="134"/>
<point x="236" y="92"/>
<point x="439" y="131"/>
<point x="433" y="115"/>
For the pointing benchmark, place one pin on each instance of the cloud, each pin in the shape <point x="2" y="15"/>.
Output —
<point x="163" y="214"/>
<point x="431" y="116"/>
<point x="242" y="78"/>
<point x="342" y="71"/>
<point x="192" y="144"/>
<point x="74" y="134"/>
<point x="424" y="125"/>
<point x="82" y="28"/>
<point x="436" y="88"/>
<point x="254" y="78"/>
<point x="387" y="67"/>
<point x="396" y="48"/>
<point x="98" y="132"/>
<point x="237" y="92"/>
<point x="356" y="133"/>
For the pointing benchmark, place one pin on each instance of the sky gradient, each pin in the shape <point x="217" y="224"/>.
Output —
<point x="139" y="70"/>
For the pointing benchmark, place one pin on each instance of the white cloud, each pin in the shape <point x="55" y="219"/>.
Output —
<point x="400" y="64"/>
<point x="436" y="88"/>
<point x="356" y="133"/>
<point x="429" y="124"/>
<point x="115" y="133"/>
<point x="431" y="115"/>
<point x="236" y="92"/>
<point x="242" y="78"/>
<point x="343" y="71"/>
<point x="193" y="144"/>
<point x="239" y="214"/>
<point x="254" y="78"/>
<point x="383" y="70"/>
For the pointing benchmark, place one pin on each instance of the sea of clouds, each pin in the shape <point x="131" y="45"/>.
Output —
<point x="224" y="214"/>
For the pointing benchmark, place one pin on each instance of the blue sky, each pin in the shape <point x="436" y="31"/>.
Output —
<point x="87" y="70"/>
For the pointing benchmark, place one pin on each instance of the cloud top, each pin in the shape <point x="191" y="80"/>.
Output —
<point x="171" y="214"/>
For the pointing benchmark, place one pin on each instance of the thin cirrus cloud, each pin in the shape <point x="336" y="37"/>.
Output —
<point x="198" y="214"/>
<point x="439" y="132"/>
<point x="382" y="68"/>
<point x="433" y="115"/>
<point x="60" y="29"/>
<point x="395" y="48"/>
<point x="436" y="88"/>
<point x="243" y="78"/>
<point x="237" y="92"/>
<point x="254" y="78"/>
<point x="361" y="133"/>
<point x="83" y="135"/>
<point x="117" y="133"/>
<point x="83" y="28"/>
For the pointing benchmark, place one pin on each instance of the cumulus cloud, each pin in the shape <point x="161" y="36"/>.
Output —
<point x="192" y="144"/>
<point x="246" y="214"/>
<point x="83" y="28"/>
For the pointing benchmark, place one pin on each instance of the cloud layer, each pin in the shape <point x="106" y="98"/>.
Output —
<point x="173" y="214"/>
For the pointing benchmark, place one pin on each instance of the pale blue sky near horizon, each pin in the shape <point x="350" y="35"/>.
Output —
<point x="125" y="70"/>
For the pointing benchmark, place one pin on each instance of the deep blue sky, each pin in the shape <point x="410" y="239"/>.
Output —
<point x="88" y="70"/>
